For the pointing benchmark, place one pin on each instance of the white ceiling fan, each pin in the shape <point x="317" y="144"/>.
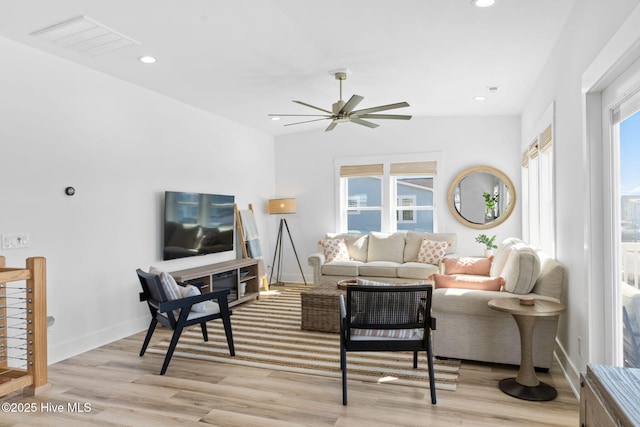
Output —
<point x="343" y="112"/>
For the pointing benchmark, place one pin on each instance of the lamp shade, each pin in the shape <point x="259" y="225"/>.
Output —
<point x="282" y="206"/>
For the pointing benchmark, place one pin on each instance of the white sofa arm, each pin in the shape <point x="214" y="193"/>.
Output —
<point x="316" y="261"/>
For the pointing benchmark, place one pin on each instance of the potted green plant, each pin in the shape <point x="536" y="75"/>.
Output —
<point x="490" y="203"/>
<point x="488" y="242"/>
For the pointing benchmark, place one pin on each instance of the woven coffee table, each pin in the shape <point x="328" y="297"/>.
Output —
<point x="321" y="308"/>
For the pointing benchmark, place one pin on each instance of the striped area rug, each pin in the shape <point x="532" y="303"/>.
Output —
<point x="267" y="334"/>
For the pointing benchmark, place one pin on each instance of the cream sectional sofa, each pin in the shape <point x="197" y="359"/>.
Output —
<point x="468" y="329"/>
<point x="388" y="257"/>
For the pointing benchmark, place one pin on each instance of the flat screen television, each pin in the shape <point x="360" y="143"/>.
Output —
<point x="197" y="224"/>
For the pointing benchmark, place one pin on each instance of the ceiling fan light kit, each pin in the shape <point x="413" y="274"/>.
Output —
<point x="343" y="112"/>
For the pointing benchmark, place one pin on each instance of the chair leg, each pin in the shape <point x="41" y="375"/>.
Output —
<point x="226" y="321"/>
<point x="415" y="360"/>
<point x="432" y="379"/>
<point x="205" y="334"/>
<point x="343" y="366"/>
<point x="172" y="346"/>
<point x="147" y="338"/>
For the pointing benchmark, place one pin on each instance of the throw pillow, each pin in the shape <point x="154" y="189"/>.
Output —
<point x="169" y="285"/>
<point x="431" y="252"/>
<point x="335" y="250"/>
<point x="464" y="281"/>
<point x="386" y="247"/>
<point x="521" y="269"/>
<point x="192" y="291"/>
<point x="475" y="266"/>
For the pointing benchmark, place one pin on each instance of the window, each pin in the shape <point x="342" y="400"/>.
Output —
<point x="386" y="196"/>
<point x="414" y="203"/>
<point x="538" y="192"/>
<point x="406" y="215"/>
<point x="625" y="132"/>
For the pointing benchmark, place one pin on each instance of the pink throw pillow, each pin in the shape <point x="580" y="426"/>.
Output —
<point x="431" y="251"/>
<point x="476" y="266"/>
<point x="335" y="250"/>
<point x="463" y="281"/>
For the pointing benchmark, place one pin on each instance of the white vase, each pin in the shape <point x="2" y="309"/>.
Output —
<point x="488" y="253"/>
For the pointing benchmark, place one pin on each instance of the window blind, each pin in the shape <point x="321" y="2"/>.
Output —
<point x="546" y="140"/>
<point x="361" y="170"/>
<point x="413" y="169"/>
<point x="533" y="149"/>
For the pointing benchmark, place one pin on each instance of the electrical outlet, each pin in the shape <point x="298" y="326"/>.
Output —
<point x="579" y="346"/>
<point x="16" y="240"/>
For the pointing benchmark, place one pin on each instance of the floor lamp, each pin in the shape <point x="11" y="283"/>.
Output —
<point x="282" y="207"/>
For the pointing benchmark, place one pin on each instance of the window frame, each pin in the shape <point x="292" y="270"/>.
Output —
<point x="388" y="195"/>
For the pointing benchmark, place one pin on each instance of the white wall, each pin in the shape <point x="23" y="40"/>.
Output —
<point x="305" y="170"/>
<point x="591" y="24"/>
<point x="121" y="147"/>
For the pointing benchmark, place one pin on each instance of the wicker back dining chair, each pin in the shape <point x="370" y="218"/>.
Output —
<point x="386" y="318"/>
<point x="179" y="313"/>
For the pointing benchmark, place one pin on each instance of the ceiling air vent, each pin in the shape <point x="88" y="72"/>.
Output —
<point x="85" y="36"/>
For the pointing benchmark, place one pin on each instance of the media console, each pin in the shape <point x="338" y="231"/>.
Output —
<point x="240" y="276"/>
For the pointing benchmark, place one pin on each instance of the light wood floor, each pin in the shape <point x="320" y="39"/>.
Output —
<point x="122" y="388"/>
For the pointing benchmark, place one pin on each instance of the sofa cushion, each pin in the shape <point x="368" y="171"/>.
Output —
<point x="414" y="240"/>
<point x="341" y="268"/>
<point x="416" y="270"/>
<point x="357" y="244"/>
<point x="335" y="250"/>
<point x="521" y="269"/>
<point x="551" y="277"/>
<point x="467" y="281"/>
<point x="467" y="302"/>
<point x="431" y="252"/>
<point x="379" y="269"/>
<point x="476" y="266"/>
<point x="386" y="247"/>
<point x="500" y="258"/>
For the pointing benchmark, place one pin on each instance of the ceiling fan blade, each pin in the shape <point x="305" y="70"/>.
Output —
<point x="381" y="108"/>
<point x="307" y="121"/>
<point x="384" y="116"/>
<point x="364" y="123"/>
<point x="351" y="104"/>
<point x="331" y="126"/>
<point x="313" y="106"/>
<point x="298" y="115"/>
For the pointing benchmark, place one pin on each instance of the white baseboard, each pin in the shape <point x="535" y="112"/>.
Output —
<point x="64" y="350"/>
<point x="571" y="373"/>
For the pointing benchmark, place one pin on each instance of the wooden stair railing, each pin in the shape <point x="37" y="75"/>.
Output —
<point x="23" y="328"/>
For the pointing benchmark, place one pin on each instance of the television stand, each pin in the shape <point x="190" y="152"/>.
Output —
<point x="240" y="276"/>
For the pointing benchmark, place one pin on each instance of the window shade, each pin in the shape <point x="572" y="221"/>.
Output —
<point x="361" y="170"/>
<point x="413" y="168"/>
<point x="533" y="149"/>
<point x="546" y="140"/>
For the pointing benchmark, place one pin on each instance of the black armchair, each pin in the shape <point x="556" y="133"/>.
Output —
<point x="177" y="314"/>
<point x="386" y="318"/>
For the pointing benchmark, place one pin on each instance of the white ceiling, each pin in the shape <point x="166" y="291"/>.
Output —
<point x="244" y="59"/>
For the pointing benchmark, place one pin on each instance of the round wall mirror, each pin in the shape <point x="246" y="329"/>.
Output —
<point x="481" y="197"/>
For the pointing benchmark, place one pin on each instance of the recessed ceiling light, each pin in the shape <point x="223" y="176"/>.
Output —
<point x="275" y="118"/>
<point x="147" y="59"/>
<point x="480" y="98"/>
<point x="484" y="3"/>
